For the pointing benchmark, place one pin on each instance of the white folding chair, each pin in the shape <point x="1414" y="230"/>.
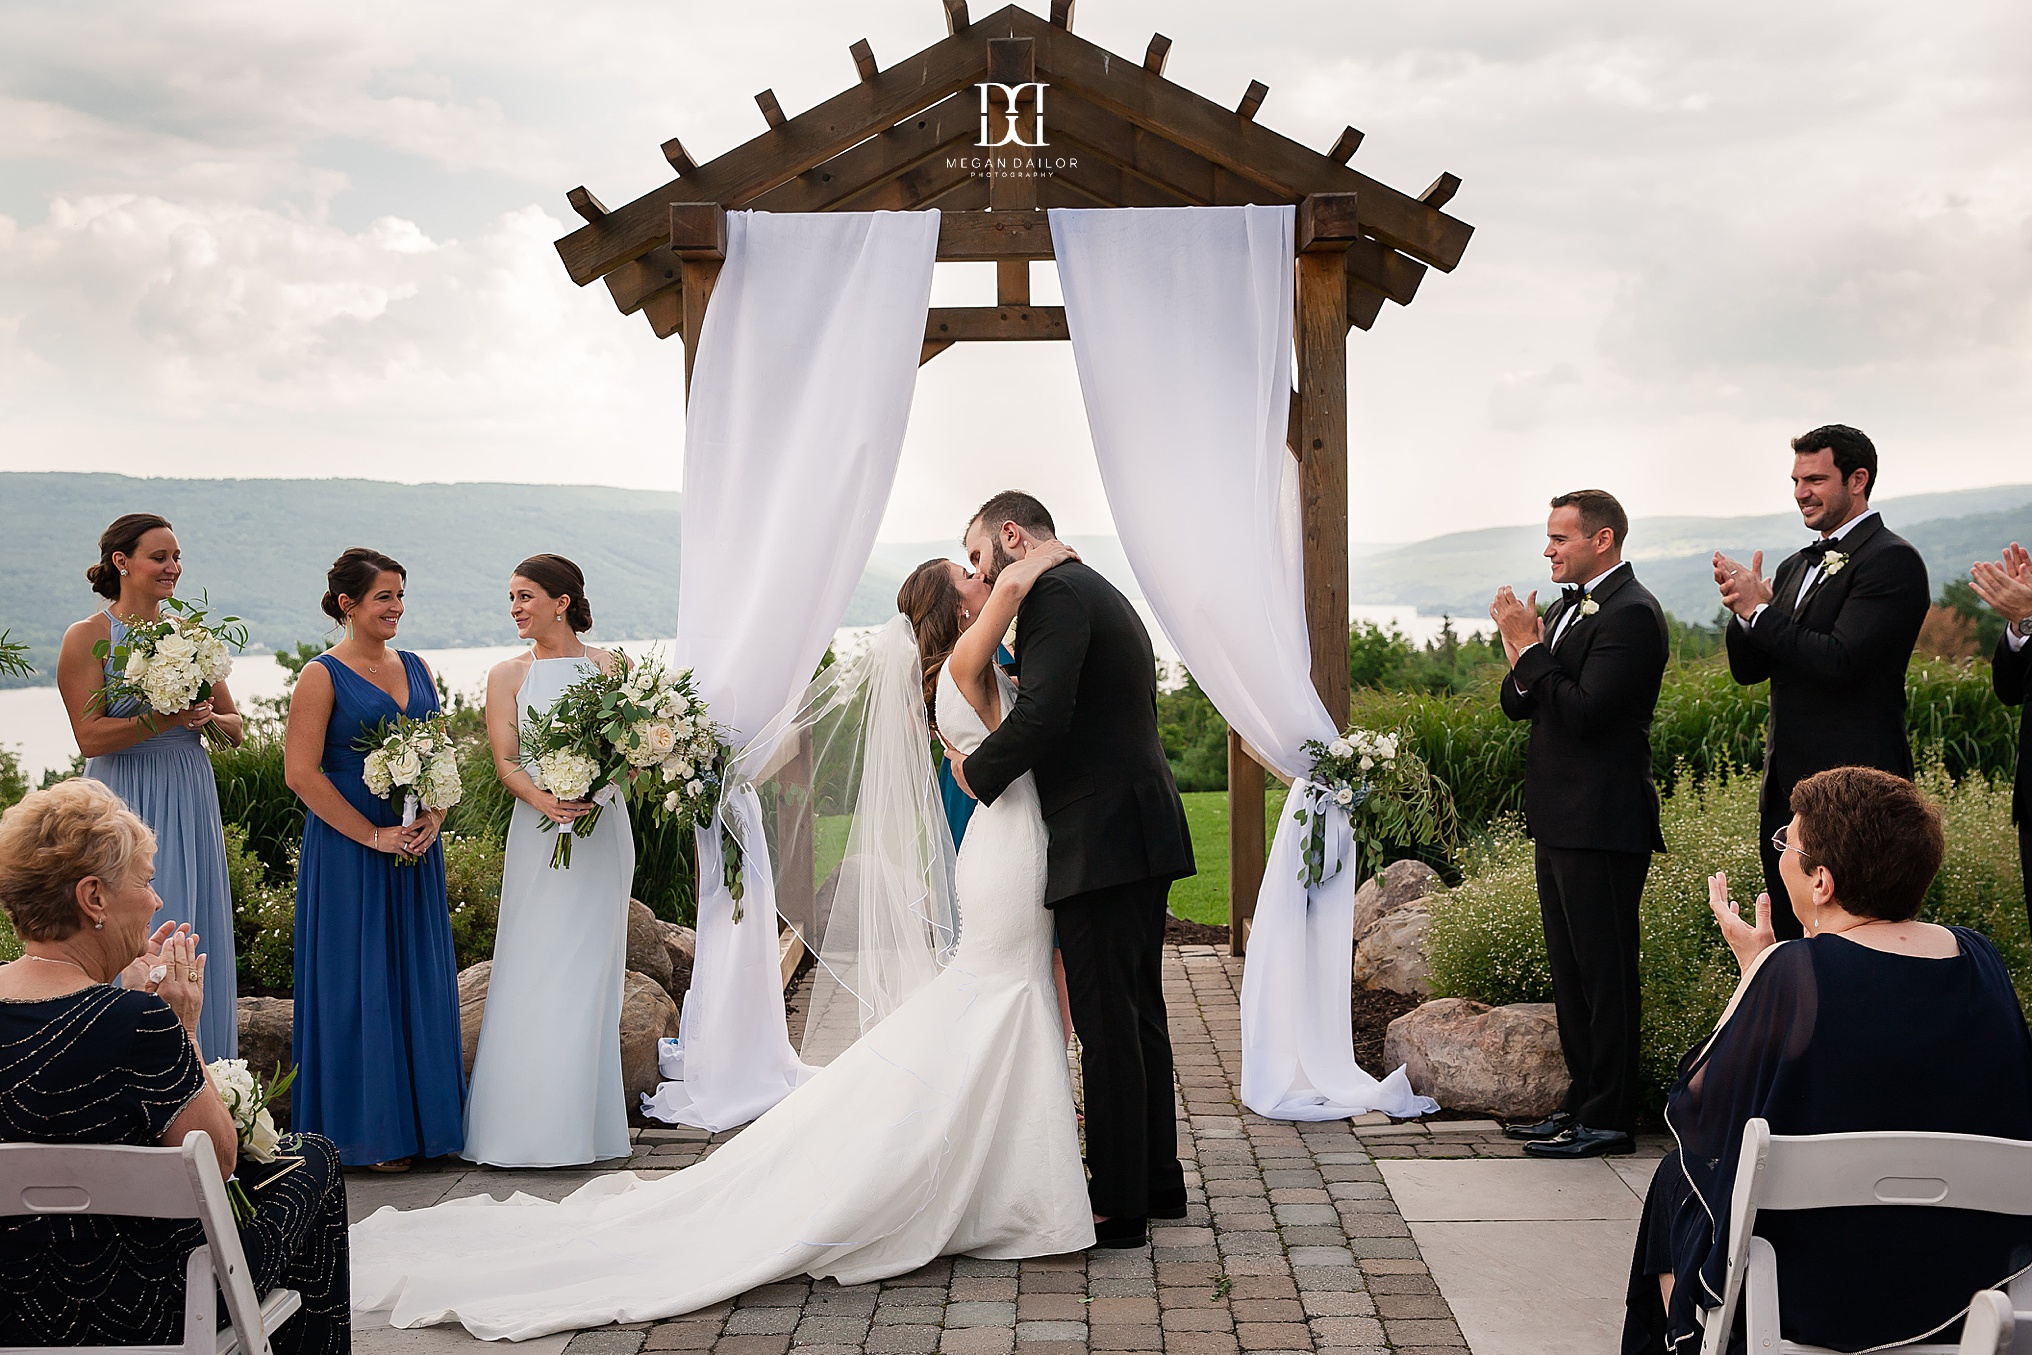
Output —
<point x="1833" y="1171"/>
<point x="153" y="1183"/>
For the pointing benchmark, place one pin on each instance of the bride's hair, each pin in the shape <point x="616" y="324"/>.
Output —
<point x="932" y="602"/>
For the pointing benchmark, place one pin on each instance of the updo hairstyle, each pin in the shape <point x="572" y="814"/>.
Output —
<point x="122" y="538"/>
<point x="352" y="574"/>
<point x="931" y="600"/>
<point x="559" y="577"/>
<point x="54" y="838"/>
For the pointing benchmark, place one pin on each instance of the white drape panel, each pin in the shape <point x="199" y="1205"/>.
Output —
<point x="1181" y="327"/>
<point x="800" y="395"/>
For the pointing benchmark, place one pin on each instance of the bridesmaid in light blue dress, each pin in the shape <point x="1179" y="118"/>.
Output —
<point x="159" y="766"/>
<point x="546" y="1086"/>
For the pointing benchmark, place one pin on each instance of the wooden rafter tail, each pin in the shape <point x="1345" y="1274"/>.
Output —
<point x="1157" y="54"/>
<point x="1441" y="192"/>
<point x="585" y="204"/>
<point x="955" y="22"/>
<point x="634" y="283"/>
<point x="1383" y="269"/>
<point x="1326" y="221"/>
<point x="1345" y="145"/>
<point x="698" y="230"/>
<point x="772" y="111"/>
<point x="1061" y="13"/>
<point x="932" y="350"/>
<point x="864" y="60"/>
<point x="1365" y="303"/>
<point x="680" y="159"/>
<point x="1252" y="99"/>
<point x="665" y="313"/>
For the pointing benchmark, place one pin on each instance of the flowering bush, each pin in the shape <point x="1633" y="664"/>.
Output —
<point x="170" y="664"/>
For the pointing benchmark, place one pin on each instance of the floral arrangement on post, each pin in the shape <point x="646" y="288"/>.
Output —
<point x="417" y="756"/>
<point x="170" y="664"/>
<point x="1390" y="795"/>
<point x="247" y="1099"/>
<point x="605" y="731"/>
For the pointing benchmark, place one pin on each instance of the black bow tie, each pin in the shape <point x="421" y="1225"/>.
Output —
<point x="1820" y="547"/>
<point x="1571" y="595"/>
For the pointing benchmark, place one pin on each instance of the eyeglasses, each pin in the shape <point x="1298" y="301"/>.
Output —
<point x="1781" y="845"/>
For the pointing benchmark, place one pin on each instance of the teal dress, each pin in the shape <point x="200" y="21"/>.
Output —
<point x="379" y="1066"/>
<point x="167" y="780"/>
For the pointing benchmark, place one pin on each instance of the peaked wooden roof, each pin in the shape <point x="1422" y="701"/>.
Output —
<point x="1118" y="134"/>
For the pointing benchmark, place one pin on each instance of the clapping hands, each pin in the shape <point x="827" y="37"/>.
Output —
<point x="2006" y="585"/>
<point x="1743" y="590"/>
<point x="1517" y="621"/>
<point x="1745" y="940"/>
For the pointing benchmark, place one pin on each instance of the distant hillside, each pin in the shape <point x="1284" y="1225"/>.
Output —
<point x="1456" y="574"/>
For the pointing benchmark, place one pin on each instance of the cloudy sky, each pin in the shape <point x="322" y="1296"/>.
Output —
<point x="241" y="237"/>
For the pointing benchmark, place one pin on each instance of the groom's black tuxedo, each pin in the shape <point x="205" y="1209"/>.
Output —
<point x="1589" y="690"/>
<point x="1836" y="664"/>
<point x="1085" y="724"/>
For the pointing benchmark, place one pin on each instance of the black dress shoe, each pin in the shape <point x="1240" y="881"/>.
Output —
<point x="1551" y="1127"/>
<point x="1580" y="1141"/>
<point x="1168" y="1204"/>
<point x="1120" y="1234"/>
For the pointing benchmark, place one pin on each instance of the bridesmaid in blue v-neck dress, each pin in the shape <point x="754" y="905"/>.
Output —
<point x="379" y="1069"/>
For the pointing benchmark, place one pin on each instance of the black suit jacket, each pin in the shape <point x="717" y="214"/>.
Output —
<point x="1587" y="775"/>
<point x="1085" y="722"/>
<point x="2011" y="675"/>
<point x="1836" y="665"/>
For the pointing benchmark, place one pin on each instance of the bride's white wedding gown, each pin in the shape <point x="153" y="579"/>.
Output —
<point x="947" y="1129"/>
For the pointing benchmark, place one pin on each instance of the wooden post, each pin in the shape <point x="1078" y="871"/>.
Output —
<point x="1013" y="186"/>
<point x="1245" y="841"/>
<point x="1324" y="229"/>
<point x="698" y="236"/>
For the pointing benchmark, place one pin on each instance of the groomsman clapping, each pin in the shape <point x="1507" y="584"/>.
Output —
<point x="2007" y="586"/>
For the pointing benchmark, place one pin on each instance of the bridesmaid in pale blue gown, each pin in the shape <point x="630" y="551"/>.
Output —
<point x="379" y="1063"/>
<point x="159" y="765"/>
<point x="546" y="1087"/>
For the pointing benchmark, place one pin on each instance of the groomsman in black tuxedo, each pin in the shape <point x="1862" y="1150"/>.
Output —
<point x="2007" y="586"/>
<point x="1586" y="676"/>
<point x="1832" y="632"/>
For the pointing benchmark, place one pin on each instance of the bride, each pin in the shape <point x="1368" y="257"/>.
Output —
<point x="947" y="1128"/>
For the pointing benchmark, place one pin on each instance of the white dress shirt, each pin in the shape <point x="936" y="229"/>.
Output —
<point x="1812" y="571"/>
<point x="1566" y="619"/>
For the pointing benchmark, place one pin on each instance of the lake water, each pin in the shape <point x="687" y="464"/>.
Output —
<point x="33" y="723"/>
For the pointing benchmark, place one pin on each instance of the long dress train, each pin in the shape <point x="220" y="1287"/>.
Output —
<point x="546" y="1087"/>
<point x="948" y="1128"/>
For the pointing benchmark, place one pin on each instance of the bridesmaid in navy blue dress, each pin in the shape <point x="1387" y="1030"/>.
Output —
<point x="379" y="1069"/>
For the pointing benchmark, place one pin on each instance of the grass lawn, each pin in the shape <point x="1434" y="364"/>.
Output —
<point x="1204" y="897"/>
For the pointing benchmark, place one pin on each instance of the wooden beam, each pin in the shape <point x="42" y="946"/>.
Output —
<point x="1013" y="62"/>
<point x="634" y="283"/>
<point x="1157" y="54"/>
<point x="1108" y="183"/>
<point x="955" y="16"/>
<point x="680" y="159"/>
<point x="699" y="277"/>
<point x="864" y="60"/>
<point x="1365" y="303"/>
<point x="963" y="324"/>
<point x="1326" y="221"/>
<point x="948" y="125"/>
<point x="1322" y="361"/>
<point x="698" y="230"/>
<point x="585" y="204"/>
<point x="1294" y="426"/>
<point x="812" y="137"/>
<point x="1245" y="841"/>
<point x="1149" y="156"/>
<point x="1441" y="191"/>
<point x="1061" y="13"/>
<point x="932" y="350"/>
<point x="916" y="187"/>
<point x="1252" y="99"/>
<point x="772" y="111"/>
<point x="994" y="235"/>
<point x="665" y="313"/>
<point x="1345" y="145"/>
<point x="1383" y="269"/>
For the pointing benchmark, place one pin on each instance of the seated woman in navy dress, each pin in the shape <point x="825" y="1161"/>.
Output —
<point x="86" y="1062"/>
<point x="1873" y="1021"/>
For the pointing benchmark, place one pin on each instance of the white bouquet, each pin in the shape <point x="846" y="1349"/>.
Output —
<point x="170" y="664"/>
<point x="417" y="756"/>
<point x="247" y="1098"/>
<point x="1390" y="796"/>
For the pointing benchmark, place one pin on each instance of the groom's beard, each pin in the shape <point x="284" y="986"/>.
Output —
<point x="998" y="560"/>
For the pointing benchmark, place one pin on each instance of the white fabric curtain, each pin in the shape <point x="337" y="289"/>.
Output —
<point x="800" y="394"/>
<point x="1181" y="328"/>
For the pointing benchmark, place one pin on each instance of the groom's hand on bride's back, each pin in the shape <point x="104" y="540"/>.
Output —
<point x="958" y="763"/>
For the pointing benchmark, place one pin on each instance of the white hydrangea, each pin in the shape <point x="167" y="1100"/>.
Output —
<point x="375" y="773"/>
<point x="678" y="769"/>
<point x="567" y="773"/>
<point x="441" y="788"/>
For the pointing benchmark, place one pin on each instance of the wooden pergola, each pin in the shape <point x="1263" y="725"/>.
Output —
<point x="1111" y="132"/>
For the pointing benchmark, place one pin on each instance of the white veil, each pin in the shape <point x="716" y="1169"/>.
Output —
<point x="857" y="829"/>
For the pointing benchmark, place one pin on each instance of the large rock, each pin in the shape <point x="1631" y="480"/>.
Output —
<point x="647" y="1015"/>
<point x="1469" y="1056"/>
<point x="1401" y="883"/>
<point x="472" y="1005"/>
<point x="646" y="952"/>
<point x="1390" y="952"/>
<point x="266" y="1027"/>
<point x="682" y="945"/>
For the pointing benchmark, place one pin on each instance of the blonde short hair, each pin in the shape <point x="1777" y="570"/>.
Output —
<point x="51" y="840"/>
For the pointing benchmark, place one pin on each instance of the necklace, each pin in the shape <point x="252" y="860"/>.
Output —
<point x="48" y="960"/>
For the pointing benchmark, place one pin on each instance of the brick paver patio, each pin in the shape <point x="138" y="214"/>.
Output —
<point x="1291" y="1242"/>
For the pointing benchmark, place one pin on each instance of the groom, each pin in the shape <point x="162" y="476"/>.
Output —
<point x="1085" y="723"/>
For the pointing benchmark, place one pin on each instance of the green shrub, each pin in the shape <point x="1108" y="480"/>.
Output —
<point x="473" y="886"/>
<point x="255" y="796"/>
<point x="666" y="871"/>
<point x="264" y="918"/>
<point x="1487" y="943"/>
<point x="13" y="781"/>
<point x="10" y="945"/>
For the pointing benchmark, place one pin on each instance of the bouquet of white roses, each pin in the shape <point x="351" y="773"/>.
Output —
<point x="247" y="1099"/>
<point x="170" y="664"/>
<point x="417" y="756"/>
<point x="1390" y="795"/>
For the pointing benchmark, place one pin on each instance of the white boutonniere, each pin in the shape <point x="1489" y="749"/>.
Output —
<point x="1833" y="563"/>
<point x="1588" y="606"/>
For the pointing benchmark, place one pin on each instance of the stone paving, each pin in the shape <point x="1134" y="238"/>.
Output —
<point x="1292" y="1242"/>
